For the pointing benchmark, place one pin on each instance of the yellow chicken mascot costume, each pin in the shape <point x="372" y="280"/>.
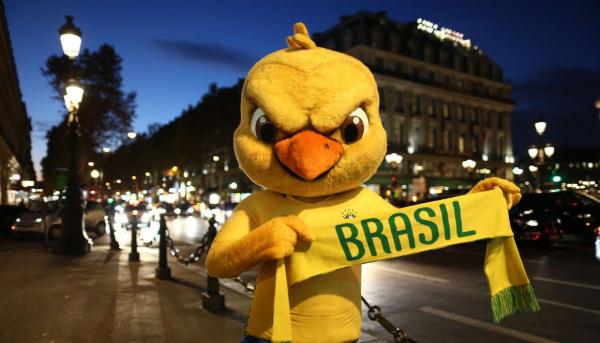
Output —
<point x="310" y="134"/>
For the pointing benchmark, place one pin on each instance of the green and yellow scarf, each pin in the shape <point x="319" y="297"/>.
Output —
<point x="396" y="232"/>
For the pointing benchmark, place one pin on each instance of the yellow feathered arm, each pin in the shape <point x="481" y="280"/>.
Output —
<point x="240" y="247"/>
<point x="511" y="192"/>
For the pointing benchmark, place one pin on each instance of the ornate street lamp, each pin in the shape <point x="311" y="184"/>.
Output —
<point x="73" y="239"/>
<point x="540" y="126"/>
<point x="539" y="153"/>
<point x="393" y="159"/>
<point x="131" y="135"/>
<point x="469" y="164"/>
<point x="70" y="38"/>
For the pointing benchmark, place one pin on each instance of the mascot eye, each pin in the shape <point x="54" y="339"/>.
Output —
<point x="261" y="127"/>
<point x="355" y="126"/>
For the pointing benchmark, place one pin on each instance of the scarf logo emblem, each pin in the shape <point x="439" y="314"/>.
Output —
<point x="349" y="213"/>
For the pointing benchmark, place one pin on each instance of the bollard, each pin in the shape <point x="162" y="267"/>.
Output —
<point x="134" y="256"/>
<point x="163" y="271"/>
<point x="110" y="211"/>
<point x="212" y="299"/>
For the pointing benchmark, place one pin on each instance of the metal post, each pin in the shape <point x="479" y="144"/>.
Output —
<point x="73" y="239"/>
<point x="110" y="217"/>
<point x="134" y="256"/>
<point x="212" y="299"/>
<point x="163" y="271"/>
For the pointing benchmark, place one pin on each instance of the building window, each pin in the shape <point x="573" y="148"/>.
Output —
<point x="417" y="106"/>
<point x="475" y="143"/>
<point x="461" y="143"/>
<point x="432" y="139"/>
<point x="347" y="39"/>
<point x="474" y="116"/>
<point x="500" y="121"/>
<point x="445" y="111"/>
<point x="446" y="138"/>
<point x="399" y="102"/>
<point x="397" y="135"/>
<point x="430" y="109"/>
<point x="379" y="62"/>
<point x="500" y="147"/>
<point x="402" y="136"/>
<point x="398" y="67"/>
<point x="460" y="112"/>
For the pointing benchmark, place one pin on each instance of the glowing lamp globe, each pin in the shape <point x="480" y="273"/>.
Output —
<point x="74" y="93"/>
<point x="540" y="126"/>
<point x="532" y="151"/>
<point x="393" y="158"/>
<point x="549" y="150"/>
<point x="70" y="38"/>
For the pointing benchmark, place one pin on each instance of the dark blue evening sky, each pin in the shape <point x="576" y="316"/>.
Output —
<point x="172" y="50"/>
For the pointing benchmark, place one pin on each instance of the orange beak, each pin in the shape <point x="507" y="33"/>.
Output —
<point x="308" y="154"/>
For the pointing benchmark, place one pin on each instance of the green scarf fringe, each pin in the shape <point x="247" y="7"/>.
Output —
<point x="512" y="300"/>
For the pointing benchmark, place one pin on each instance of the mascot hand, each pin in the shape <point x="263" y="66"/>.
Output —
<point x="512" y="193"/>
<point x="279" y="236"/>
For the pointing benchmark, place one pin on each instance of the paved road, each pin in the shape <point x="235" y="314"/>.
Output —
<point x="442" y="296"/>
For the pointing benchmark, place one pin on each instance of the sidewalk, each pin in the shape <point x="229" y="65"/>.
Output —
<point x="101" y="297"/>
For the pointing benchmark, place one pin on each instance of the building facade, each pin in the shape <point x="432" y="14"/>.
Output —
<point x="443" y="101"/>
<point x="15" y="125"/>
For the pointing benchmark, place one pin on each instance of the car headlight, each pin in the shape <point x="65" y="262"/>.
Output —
<point x="121" y="218"/>
<point x="177" y="211"/>
<point x="38" y="220"/>
<point x="532" y="222"/>
<point x="190" y="210"/>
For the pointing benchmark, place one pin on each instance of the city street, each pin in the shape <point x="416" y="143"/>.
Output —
<point x="442" y="296"/>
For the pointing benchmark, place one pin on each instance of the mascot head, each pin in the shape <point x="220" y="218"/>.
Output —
<point x="310" y="121"/>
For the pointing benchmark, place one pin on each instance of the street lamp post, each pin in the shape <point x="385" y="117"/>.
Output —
<point x="73" y="239"/>
<point x="597" y="104"/>
<point x="540" y="153"/>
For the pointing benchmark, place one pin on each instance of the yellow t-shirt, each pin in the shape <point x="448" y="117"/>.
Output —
<point x="325" y="308"/>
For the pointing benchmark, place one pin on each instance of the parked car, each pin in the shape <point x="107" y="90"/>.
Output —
<point x="48" y="214"/>
<point x="565" y="216"/>
<point x="8" y="215"/>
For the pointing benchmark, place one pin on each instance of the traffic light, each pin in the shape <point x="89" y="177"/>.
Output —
<point x="556" y="178"/>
